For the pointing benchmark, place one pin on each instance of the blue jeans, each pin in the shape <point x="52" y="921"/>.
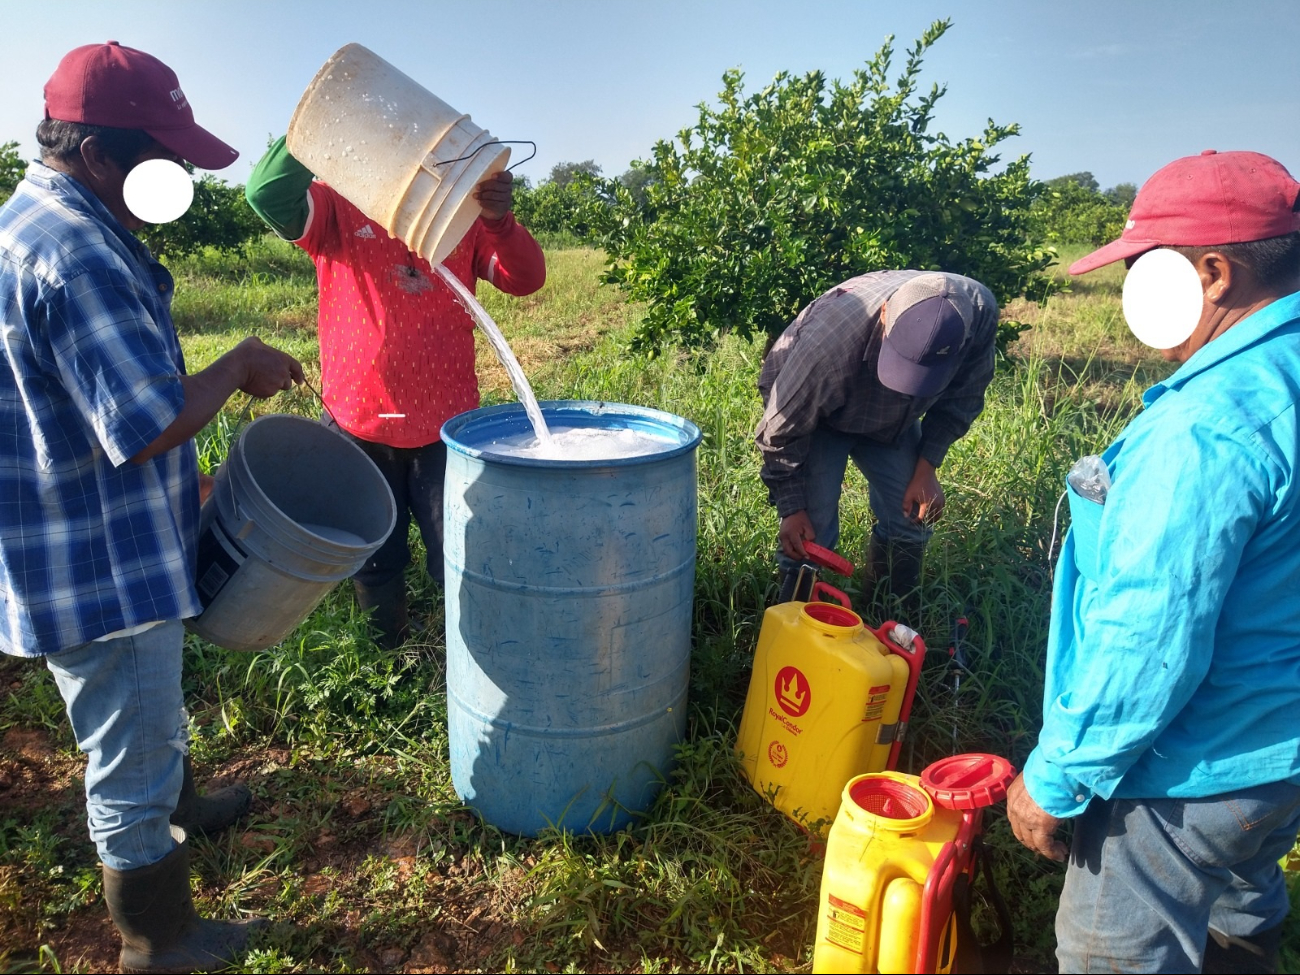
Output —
<point x="1148" y="879"/>
<point x="123" y="698"/>
<point x="415" y="475"/>
<point x="888" y="470"/>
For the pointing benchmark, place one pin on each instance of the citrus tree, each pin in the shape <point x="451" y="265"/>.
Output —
<point x="12" y="168"/>
<point x="219" y="217"/>
<point x="1067" y="212"/>
<point x="771" y="198"/>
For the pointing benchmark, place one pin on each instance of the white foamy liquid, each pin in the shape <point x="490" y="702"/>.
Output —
<point x="580" y="443"/>
<point x="502" y="348"/>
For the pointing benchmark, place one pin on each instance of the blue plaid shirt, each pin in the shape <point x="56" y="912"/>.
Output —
<point x="90" y="543"/>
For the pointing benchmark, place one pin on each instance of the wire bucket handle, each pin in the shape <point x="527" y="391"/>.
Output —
<point x="494" y="142"/>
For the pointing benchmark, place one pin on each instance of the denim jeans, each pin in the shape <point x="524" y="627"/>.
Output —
<point x="123" y="698"/>
<point x="888" y="470"/>
<point x="1147" y="880"/>
<point x="415" y="475"/>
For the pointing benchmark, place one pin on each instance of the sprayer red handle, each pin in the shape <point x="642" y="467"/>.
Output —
<point x="822" y="588"/>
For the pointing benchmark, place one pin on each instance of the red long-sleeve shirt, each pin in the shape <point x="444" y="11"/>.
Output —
<point x="397" y="347"/>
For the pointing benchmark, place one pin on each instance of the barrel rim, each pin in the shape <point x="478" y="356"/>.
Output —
<point x="678" y="425"/>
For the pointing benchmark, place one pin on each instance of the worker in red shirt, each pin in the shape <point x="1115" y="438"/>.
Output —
<point x="396" y="346"/>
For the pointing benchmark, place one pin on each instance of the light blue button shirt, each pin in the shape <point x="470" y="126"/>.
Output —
<point x="1173" y="661"/>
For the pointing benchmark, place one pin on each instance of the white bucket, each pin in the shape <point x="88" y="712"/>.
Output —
<point x="439" y="193"/>
<point x="296" y="509"/>
<point x="387" y="145"/>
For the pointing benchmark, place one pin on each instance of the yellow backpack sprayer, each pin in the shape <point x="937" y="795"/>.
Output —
<point x="825" y="717"/>
<point x="828" y="698"/>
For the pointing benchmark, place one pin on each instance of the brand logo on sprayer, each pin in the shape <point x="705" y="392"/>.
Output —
<point x="777" y="754"/>
<point x="792" y="692"/>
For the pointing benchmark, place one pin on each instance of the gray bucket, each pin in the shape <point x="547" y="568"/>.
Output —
<point x="296" y="509"/>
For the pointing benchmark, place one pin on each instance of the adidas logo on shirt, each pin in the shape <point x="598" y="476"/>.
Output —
<point x="367" y="232"/>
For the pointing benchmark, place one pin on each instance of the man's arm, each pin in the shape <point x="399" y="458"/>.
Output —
<point x="251" y="366"/>
<point x="951" y="415"/>
<point x="507" y="256"/>
<point x="277" y="191"/>
<point x="119" y="366"/>
<point x="807" y="376"/>
<point x="1128" y="648"/>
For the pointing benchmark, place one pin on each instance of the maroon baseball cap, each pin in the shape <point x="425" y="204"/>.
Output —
<point x="108" y="84"/>
<point x="1199" y="201"/>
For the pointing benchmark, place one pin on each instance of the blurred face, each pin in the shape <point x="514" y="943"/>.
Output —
<point x="107" y="176"/>
<point x="1213" y="272"/>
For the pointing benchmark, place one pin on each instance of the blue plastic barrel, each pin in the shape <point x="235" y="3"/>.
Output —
<point x="568" y="592"/>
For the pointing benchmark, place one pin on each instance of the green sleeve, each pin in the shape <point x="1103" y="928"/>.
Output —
<point x="277" y="191"/>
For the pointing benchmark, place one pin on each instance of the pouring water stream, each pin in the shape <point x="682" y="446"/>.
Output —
<point x="502" y="348"/>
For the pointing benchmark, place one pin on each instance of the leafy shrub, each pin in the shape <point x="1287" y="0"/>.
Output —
<point x="772" y="198"/>
<point x="1067" y="212"/>
<point x="12" y="168"/>
<point x="220" y="218"/>
<point x="556" y="209"/>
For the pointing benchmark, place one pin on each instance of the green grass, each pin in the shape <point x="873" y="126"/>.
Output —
<point x="358" y="846"/>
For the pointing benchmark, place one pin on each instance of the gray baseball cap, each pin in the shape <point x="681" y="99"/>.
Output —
<point x="927" y="325"/>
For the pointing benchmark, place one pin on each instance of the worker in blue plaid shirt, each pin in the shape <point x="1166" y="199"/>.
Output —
<point x="99" y="481"/>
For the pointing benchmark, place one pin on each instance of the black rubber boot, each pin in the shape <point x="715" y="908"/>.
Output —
<point x="386" y="604"/>
<point x="161" y="932"/>
<point x="1225" y="954"/>
<point x="204" y="815"/>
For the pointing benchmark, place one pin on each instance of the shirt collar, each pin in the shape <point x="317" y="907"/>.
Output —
<point x="72" y="193"/>
<point x="1236" y="339"/>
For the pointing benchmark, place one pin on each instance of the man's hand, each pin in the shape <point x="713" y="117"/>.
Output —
<point x="795" y="530"/>
<point x="923" y="499"/>
<point x="265" y="371"/>
<point x="206" y="483"/>
<point x="1033" y="827"/>
<point x="495" y="195"/>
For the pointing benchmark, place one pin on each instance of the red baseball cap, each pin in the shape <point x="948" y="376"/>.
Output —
<point x="1198" y="201"/>
<point x="108" y="84"/>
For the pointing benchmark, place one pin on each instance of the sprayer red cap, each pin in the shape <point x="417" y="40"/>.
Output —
<point x="828" y="559"/>
<point x="969" y="781"/>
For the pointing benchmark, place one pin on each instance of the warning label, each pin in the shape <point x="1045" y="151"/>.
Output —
<point x="848" y="924"/>
<point x="876" y="704"/>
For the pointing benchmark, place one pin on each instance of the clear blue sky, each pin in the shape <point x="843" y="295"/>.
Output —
<point x="1117" y="87"/>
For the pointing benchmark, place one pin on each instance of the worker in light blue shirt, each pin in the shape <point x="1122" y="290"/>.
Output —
<point x="1171" y="714"/>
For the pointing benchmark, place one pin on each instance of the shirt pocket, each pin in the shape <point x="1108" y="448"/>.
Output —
<point x="1085" y="529"/>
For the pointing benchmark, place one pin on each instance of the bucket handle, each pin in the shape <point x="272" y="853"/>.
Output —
<point x="494" y="142"/>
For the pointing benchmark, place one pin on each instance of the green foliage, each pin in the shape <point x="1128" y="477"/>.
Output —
<point x="563" y="174"/>
<point x="1122" y="194"/>
<point x="12" y="167"/>
<point x="1085" y="180"/>
<point x="772" y="198"/>
<point x="636" y="179"/>
<point x="556" y="209"/>
<point x="1067" y="212"/>
<point x="220" y="218"/>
